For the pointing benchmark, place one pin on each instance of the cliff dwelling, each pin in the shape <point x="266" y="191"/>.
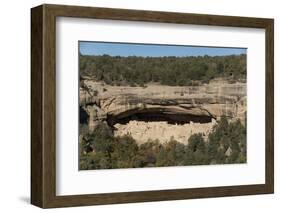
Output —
<point x="160" y="112"/>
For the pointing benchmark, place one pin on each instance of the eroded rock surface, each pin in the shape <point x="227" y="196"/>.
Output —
<point x="173" y="110"/>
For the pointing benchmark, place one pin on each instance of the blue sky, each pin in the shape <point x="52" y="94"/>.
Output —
<point x="153" y="50"/>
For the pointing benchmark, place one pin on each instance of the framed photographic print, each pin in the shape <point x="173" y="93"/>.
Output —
<point x="136" y="106"/>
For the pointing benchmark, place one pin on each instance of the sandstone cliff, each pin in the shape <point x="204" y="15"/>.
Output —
<point x="169" y="105"/>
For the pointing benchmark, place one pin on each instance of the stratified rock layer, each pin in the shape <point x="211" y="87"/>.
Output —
<point x="169" y="107"/>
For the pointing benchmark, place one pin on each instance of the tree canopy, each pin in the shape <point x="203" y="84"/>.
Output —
<point x="170" y="70"/>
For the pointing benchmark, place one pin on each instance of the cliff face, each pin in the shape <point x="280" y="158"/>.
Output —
<point x="212" y="100"/>
<point x="168" y="105"/>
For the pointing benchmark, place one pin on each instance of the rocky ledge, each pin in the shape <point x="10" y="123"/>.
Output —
<point x="188" y="106"/>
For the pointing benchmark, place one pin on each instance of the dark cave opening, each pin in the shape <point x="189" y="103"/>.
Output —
<point x="157" y="116"/>
<point x="83" y="116"/>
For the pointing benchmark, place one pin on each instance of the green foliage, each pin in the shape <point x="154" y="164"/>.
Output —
<point x="224" y="136"/>
<point x="225" y="144"/>
<point x="196" y="143"/>
<point x="102" y="139"/>
<point x="124" y="152"/>
<point x="182" y="71"/>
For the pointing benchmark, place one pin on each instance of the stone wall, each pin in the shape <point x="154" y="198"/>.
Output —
<point x="162" y="131"/>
